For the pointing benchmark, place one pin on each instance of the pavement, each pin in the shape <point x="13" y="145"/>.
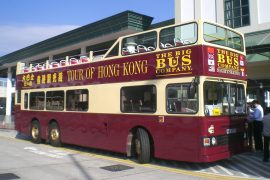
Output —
<point x="247" y="166"/>
<point x="243" y="166"/>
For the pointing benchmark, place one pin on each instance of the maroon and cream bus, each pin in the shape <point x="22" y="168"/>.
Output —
<point x="175" y="93"/>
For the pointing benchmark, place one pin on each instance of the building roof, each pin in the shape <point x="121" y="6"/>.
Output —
<point x="115" y="23"/>
<point x="258" y="46"/>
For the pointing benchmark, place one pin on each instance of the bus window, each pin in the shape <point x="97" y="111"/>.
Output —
<point x="178" y="36"/>
<point x="234" y="40"/>
<point x="114" y="51"/>
<point x="139" y="43"/>
<point x="180" y="100"/>
<point x="26" y="101"/>
<point x="37" y="100"/>
<point x="55" y="100"/>
<point x="18" y="93"/>
<point x="136" y="99"/>
<point x="77" y="100"/>
<point x="238" y="105"/>
<point x="222" y="36"/>
<point x="214" y="34"/>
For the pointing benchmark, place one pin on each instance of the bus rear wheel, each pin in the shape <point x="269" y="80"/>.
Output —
<point x="35" y="132"/>
<point x="54" y="135"/>
<point x="142" y="146"/>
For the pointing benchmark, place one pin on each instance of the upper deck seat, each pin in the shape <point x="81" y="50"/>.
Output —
<point x="55" y="64"/>
<point x="151" y="48"/>
<point x="26" y="70"/>
<point x="33" y="68"/>
<point x="125" y="51"/>
<point x="40" y="67"/>
<point x="141" y="48"/>
<point x="178" y="42"/>
<point x="168" y="45"/>
<point x="63" y="63"/>
<point x="74" y="61"/>
<point x="84" y="59"/>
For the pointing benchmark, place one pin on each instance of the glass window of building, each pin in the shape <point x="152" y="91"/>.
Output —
<point x="236" y="13"/>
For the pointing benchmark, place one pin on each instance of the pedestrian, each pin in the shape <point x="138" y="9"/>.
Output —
<point x="256" y="114"/>
<point x="266" y="135"/>
<point x="250" y="126"/>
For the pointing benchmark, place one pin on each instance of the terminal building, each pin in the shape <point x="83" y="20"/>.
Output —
<point x="250" y="17"/>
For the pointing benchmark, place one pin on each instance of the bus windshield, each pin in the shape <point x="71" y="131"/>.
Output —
<point x="224" y="98"/>
<point x="221" y="36"/>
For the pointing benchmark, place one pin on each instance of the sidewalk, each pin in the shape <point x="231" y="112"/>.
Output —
<point x="7" y="122"/>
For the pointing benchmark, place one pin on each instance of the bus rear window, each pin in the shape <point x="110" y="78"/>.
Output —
<point x="221" y="36"/>
<point x="136" y="99"/>
<point x="77" y="100"/>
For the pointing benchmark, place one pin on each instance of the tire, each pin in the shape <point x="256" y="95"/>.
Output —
<point x="142" y="146"/>
<point x="35" y="132"/>
<point x="54" y="135"/>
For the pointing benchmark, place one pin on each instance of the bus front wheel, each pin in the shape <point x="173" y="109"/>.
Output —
<point x="35" y="132"/>
<point x="142" y="146"/>
<point x="54" y="135"/>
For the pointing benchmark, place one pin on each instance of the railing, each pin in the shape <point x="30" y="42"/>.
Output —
<point x="57" y="63"/>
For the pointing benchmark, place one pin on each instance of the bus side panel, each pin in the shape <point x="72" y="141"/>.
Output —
<point x="17" y="109"/>
<point x="178" y="138"/>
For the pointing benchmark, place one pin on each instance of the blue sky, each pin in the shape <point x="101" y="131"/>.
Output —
<point x="25" y="22"/>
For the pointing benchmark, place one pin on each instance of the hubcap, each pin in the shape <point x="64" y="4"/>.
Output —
<point x="54" y="134"/>
<point x="35" y="132"/>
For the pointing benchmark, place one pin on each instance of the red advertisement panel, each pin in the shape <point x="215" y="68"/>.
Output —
<point x="188" y="61"/>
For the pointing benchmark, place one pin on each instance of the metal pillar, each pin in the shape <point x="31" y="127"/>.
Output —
<point x="83" y="51"/>
<point x="8" y="117"/>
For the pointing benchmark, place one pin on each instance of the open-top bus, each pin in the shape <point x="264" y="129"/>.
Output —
<point x="176" y="93"/>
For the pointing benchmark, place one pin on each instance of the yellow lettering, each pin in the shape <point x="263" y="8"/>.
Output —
<point x="89" y="73"/>
<point x="173" y="62"/>
<point x="160" y="63"/>
<point x="186" y="60"/>
<point x="221" y="58"/>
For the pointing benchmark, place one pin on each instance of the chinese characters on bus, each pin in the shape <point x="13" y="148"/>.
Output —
<point x="30" y="79"/>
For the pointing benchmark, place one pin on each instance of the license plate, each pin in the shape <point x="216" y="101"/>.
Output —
<point x="231" y="131"/>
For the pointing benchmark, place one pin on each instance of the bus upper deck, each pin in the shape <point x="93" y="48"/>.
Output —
<point x="169" y="45"/>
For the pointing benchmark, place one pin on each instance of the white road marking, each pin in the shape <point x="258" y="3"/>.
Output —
<point x="52" y="153"/>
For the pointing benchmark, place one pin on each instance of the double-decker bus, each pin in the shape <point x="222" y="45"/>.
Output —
<point x="175" y="93"/>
